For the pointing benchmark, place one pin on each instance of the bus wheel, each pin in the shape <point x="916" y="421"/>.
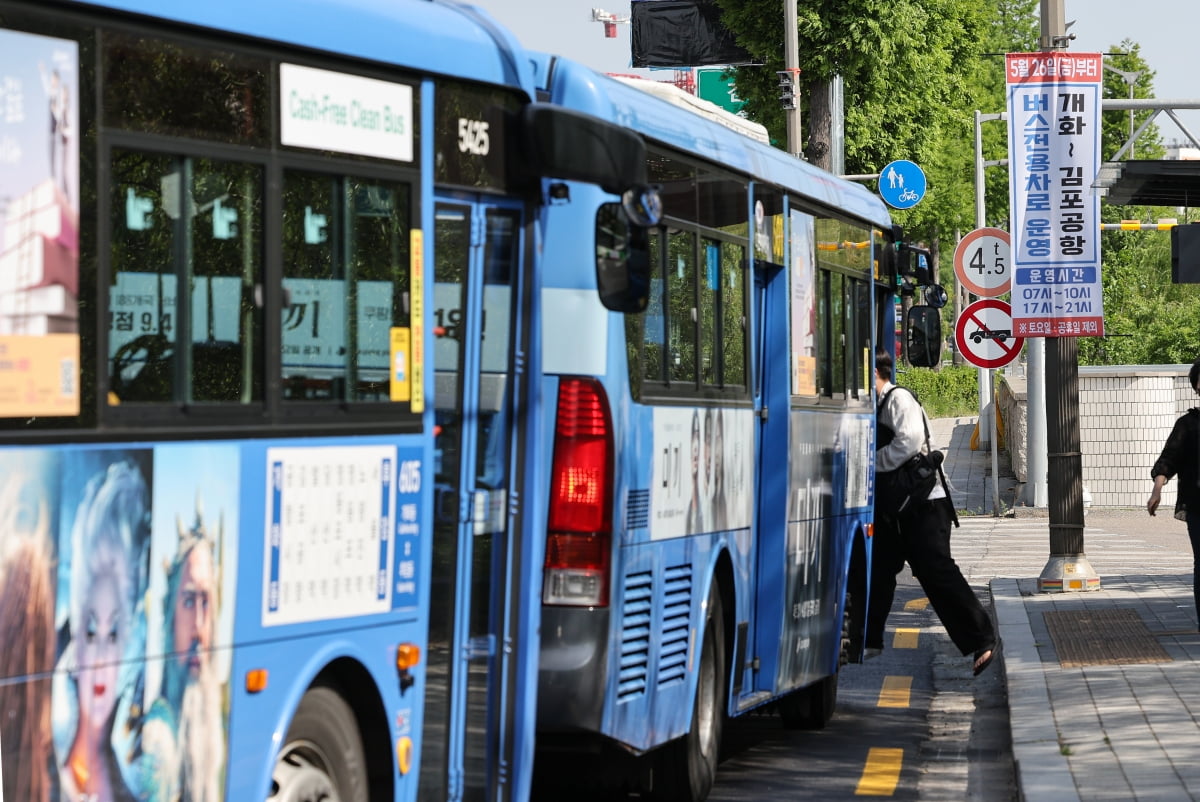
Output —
<point x="811" y="708"/>
<point x="686" y="768"/>
<point x="322" y="757"/>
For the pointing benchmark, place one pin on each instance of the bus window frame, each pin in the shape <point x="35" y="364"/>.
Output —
<point x="650" y="391"/>
<point x="273" y="405"/>
<point x="844" y="397"/>
<point x="700" y="202"/>
<point x="275" y="161"/>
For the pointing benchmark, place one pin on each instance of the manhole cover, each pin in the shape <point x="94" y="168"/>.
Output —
<point x="1102" y="637"/>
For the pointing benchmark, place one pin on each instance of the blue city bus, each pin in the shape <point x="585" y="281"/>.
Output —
<point x="269" y="402"/>
<point x="709" y="496"/>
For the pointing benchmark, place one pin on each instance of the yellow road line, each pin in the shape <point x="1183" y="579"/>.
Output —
<point x="881" y="773"/>
<point x="896" y="692"/>
<point x="917" y="604"/>
<point x="905" y="638"/>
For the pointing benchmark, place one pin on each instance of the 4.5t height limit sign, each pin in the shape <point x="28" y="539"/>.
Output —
<point x="982" y="262"/>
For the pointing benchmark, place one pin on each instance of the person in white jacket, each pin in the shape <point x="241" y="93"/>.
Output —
<point x="919" y="534"/>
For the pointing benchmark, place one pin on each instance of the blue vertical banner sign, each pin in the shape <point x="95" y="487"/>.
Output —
<point x="1054" y="101"/>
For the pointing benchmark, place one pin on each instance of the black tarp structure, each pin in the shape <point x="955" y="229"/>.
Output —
<point x="681" y="33"/>
<point x="1162" y="182"/>
<point x="1155" y="182"/>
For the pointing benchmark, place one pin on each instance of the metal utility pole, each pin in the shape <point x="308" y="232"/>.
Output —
<point x="791" y="61"/>
<point x="987" y="423"/>
<point x="1068" y="568"/>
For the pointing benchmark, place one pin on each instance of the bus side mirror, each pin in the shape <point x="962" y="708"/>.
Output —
<point x="935" y="295"/>
<point x="622" y="260"/>
<point x="923" y="337"/>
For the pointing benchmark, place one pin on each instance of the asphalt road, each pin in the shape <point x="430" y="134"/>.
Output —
<point x="952" y="735"/>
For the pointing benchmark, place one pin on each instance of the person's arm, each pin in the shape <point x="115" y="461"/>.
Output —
<point x="1165" y="466"/>
<point x="1156" y="493"/>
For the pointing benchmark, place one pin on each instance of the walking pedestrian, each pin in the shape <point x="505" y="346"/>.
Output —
<point x="1180" y="457"/>
<point x="919" y="533"/>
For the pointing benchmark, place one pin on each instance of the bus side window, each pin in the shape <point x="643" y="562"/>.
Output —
<point x="681" y="308"/>
<point x="733" y="315"/>
<point x="346" y="265"/>
<point x="186" y="253"/>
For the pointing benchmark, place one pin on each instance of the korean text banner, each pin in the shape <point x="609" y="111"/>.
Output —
<point x="1054" y="103"/>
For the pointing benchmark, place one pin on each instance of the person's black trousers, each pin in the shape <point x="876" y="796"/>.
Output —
<point x="921" y="536"/>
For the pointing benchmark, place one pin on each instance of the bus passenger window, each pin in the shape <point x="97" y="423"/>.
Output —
<point x="844" y="259"/>
<point x="681" y="309"/>
<point x="345" y="272"/>
<point x="837" y="333"/>
<point x="722" y="333"/>
<point x="186" y="254"/>
<point x="378" y="254"/>
<point x="733" y="315"/>
<point x="141" y="302"/>
<point x="710" y="284"/>
<point x="226" y="243"/>
<point x="862" y="361"/>
<point x="824" y="331"/>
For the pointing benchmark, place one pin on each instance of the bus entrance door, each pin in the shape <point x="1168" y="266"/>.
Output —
<point x="477" y="251"/>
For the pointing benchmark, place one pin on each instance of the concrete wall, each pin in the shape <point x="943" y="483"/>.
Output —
<point x="1125" y="415"/>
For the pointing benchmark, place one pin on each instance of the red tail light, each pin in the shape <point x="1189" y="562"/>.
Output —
<point x="579" y="540"/>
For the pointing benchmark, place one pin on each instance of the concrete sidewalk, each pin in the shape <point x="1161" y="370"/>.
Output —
<point x="970" y="472"/>
<point x="1102" y="685"/>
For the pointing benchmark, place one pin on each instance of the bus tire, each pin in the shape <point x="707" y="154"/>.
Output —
<point x="811" y="708"/>
<point x="686" y="768"/>
<point x="322" y="756"/>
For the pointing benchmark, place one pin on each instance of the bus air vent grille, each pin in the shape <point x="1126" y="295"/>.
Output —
<point x="635" y="635"/>
<point x="637" y="511"/>
<point x="676" y="618"/>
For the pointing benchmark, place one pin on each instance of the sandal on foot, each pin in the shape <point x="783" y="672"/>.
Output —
<point x="985" y="656"/>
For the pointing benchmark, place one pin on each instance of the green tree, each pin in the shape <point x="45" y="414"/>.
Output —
<point x="1134" y="79"/>
<point x="1147" y="319"/>
<point x="913" y="71"/>
<point x="897" y="60"/>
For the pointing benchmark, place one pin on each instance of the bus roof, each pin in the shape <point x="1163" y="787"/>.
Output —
<point x="428" y="35"/>
<point x="698" y="105"/>
<point x="626" y="102"/>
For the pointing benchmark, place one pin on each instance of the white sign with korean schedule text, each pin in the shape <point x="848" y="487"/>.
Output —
<point x="1054" y="103"/>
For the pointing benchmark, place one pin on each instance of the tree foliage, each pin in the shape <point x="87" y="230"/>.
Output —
<point x="1147" y="319"/>
<point x="914" y="74"/>
<point x="913" y="71"/>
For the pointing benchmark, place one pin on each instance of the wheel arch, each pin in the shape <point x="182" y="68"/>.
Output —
<point x="723" y="576"/>
<point x="858" y="589"/>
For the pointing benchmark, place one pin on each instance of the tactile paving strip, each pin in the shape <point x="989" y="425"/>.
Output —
<point x="1102" y="637"/>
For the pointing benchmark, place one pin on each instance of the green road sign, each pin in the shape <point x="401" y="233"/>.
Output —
<point x="713" y="86"/>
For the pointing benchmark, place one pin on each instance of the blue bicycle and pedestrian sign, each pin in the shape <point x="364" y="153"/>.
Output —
<point x="902" y="184"/>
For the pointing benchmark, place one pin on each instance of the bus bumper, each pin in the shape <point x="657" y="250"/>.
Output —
<point x="572" y="669"/>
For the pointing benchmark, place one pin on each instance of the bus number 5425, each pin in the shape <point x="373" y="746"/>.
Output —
<point x="473" y="137"/>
